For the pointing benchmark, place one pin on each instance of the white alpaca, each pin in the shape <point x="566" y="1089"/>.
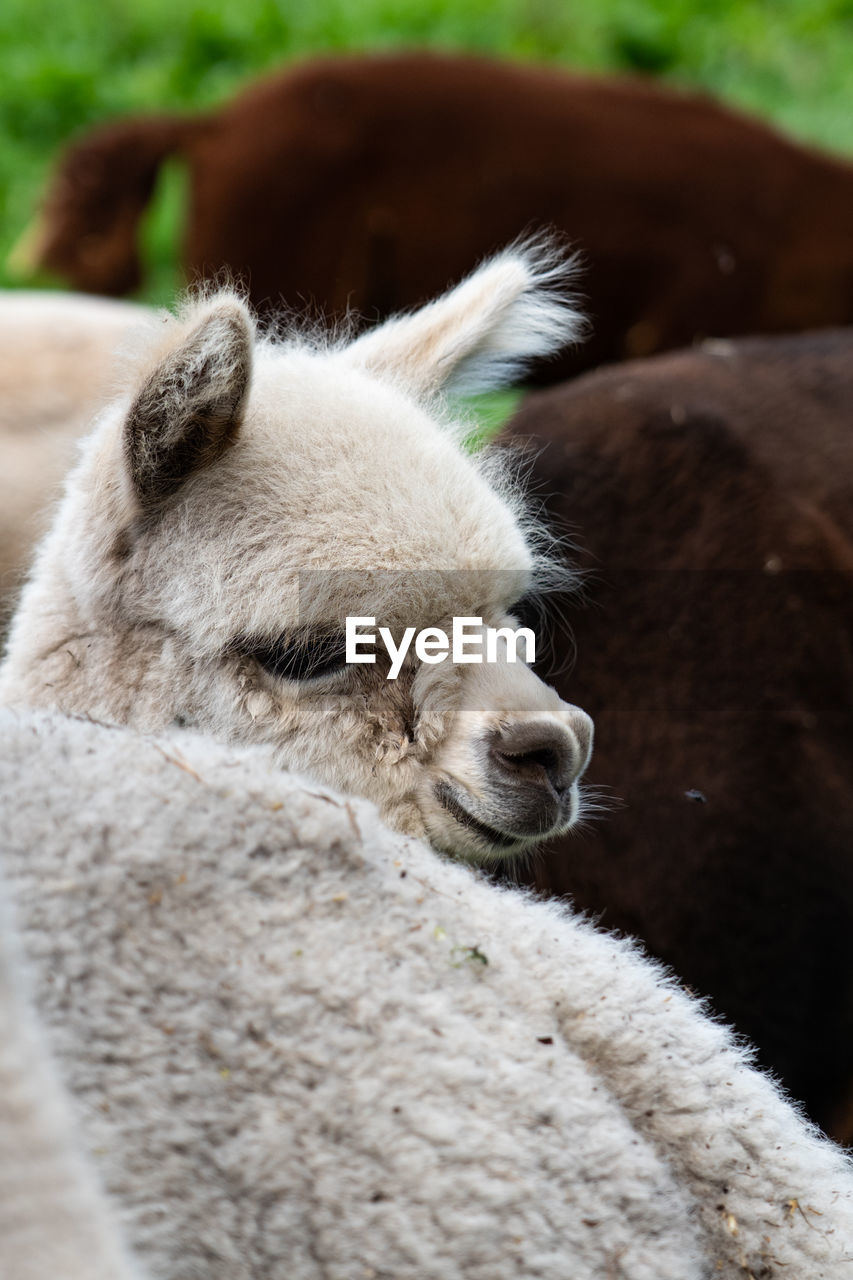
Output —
<point x="57" y="355"/>
<point x="246" y="495"/>
<point x="54" y="1222"/>
<point x="305" y="1048"/>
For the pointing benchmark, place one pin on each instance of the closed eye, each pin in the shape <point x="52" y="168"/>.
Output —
<point x="304" y="655"/>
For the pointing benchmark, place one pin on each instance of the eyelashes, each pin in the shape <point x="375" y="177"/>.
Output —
<point x="310" y="655"/>
<point x="303" y="656"/>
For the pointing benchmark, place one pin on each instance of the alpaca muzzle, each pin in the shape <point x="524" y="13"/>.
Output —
<point x="524" y="784"/>
<point x="531" y="768"/>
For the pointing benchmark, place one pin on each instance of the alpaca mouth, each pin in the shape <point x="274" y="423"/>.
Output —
<point x="447" y="798"/>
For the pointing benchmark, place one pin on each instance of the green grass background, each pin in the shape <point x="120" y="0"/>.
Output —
<point x="67" y="64"/>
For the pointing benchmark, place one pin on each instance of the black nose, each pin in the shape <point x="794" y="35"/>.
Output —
<point x="538" y="753"/>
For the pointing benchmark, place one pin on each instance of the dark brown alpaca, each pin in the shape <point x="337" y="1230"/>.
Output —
<point x="370" y="182"/>
<point x="712" y="494"/>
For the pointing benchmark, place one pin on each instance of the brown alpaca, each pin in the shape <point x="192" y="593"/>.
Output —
<point x="371" y="182"/>
<point x="712" y="491"/>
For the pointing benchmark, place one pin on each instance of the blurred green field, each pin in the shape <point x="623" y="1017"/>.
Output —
<point x="67" y="65"/>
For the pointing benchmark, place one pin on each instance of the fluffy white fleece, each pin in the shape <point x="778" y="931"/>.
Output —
<point x="54" y="1224"/>
<point x="302" y="1046"/>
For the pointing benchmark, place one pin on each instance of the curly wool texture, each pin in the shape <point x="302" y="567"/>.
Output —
<point x="303" y="1046"/>
<point x="53" y="1218"/>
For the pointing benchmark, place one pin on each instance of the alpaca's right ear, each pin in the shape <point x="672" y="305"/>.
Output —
<point x="189" y="409"/>
<point x="515" y="308"/>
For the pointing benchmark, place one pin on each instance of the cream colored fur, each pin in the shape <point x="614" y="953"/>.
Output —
<point x="303" y="1047"/>
<point x="54" y="1221"/>
<point x="327" y="479"/>
<point x="57" y="354"/>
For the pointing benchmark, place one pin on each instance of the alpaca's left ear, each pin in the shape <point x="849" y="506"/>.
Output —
<point x="480" y="335"/>
<point x="189" y="409"/>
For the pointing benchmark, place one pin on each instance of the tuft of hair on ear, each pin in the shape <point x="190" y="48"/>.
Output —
<point x="190" y="406"/>
<point x="518" y="306"/>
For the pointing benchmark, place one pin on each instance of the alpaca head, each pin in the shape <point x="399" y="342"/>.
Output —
<point x="250" y="494"/>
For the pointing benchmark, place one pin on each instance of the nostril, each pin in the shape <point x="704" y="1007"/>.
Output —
<point x="540" y="754"/>
<point x="545" y="758"/>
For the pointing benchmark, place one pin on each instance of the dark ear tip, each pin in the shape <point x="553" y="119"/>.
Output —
<point x="189" y="410"/>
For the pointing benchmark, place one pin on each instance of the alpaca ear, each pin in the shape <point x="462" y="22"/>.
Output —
<point x="189" y="409"/>
<point x="480" y="335"/>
